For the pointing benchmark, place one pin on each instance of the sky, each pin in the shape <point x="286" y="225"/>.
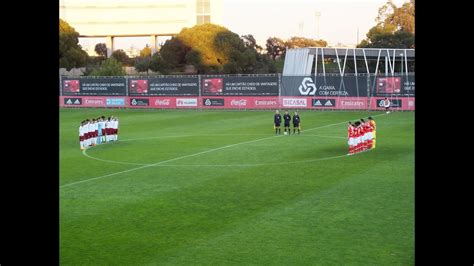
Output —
<point x="339" y="20"/>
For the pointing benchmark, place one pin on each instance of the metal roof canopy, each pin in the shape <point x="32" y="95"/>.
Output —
<point x="359" y="52"/>
<point x="300" y="61"/>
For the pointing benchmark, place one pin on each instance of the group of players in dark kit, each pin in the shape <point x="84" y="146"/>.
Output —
<point x="287" y="118"/>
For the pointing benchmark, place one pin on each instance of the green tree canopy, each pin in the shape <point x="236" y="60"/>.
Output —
<point x="202" y="38"/>
<point x="300" y="42"/>
<point x="395" y="27"/>
<point x="275" y="47"/>
<point x="101" y="49"/>
<point x="142" y="64"/>
<point x="121" y="56"/>
<point x="250" y="42"/>
<point x="110" y="67"/>
<point x="158" y="64"/>
<point x="174" y="52"/>
<point x="70" y="52"/>
<point x="398" y="18"/>
<point x="213" y="49"/>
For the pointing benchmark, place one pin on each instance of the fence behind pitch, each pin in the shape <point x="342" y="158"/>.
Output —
<point x="336" y="92"/>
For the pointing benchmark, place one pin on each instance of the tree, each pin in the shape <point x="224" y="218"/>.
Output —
<point x="146" y="51"/>
<point x="395" y="27"/>
<point x="399" y="18"/>
<point x="121" y="56"/>
<point x="158" y="64"/>
<point x="213" y="49"/>
<point x="201" y="38"/>
<point x="229" y="45"/>
<point x="174" y="52"/>
<point x="239" y="57"/>
<point x="194" y="58"/>
<point x="142" y="64"/>
<point x="404" y="17"/>
<point x="70" y="52"/>
<point x="399" y="39"/>
<point x="301" y="42"/>
<point x="110" y="67"/>
<point x="101" y="50"/>
<point x="275" y="47"/>
<point x="250" y="42"/>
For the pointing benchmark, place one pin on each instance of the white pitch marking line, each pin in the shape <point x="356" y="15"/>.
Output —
<point x="212" y="135"/>
<point x="191" y="155"/>
<point x="109" y="161"/>
<point x="170" y="160"/>
<point x="249" y="165"/>
<point x="84" y="152"/>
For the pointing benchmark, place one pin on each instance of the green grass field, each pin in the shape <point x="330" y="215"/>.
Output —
<point x="203" y="187"/>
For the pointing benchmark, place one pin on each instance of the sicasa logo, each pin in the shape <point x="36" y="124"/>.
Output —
<point x="307" y="87"/>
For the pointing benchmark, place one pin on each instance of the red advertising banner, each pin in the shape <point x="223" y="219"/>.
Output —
<point x="345" y="103"/>
<point x="348" y="103"/>
<point x="244" y="102"/>
<point x="235" y="102"/>
<point x="295" y="102"/>
<point x="93" y="101"/>
<point x="164" y="102"/>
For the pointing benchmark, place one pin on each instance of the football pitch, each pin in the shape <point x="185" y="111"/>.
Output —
<point x="206" y="187"/>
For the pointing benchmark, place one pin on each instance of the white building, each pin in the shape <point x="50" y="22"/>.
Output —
<point x="137" y="18"/>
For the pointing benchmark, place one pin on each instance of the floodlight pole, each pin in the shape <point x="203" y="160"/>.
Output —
<point x="317" y="14"/>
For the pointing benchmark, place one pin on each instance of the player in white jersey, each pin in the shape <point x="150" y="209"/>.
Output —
<point x="108" y="124"/>
<point x="386" y="104"/>
<point x="102" y="121"/>
<point x="81" y="135"/>
<point x="94" y="131"/>
<point x="85" y="129"/>
<point x="112" y="128"/>
<point x="99" y="131"/>
<point x="91" y="132"/>
<point x="116" y="127"/>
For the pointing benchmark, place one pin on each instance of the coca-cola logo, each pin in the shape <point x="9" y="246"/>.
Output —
<point x="165" y="102"/>
<point x="241" y="102"/>
<point x="266" y="103"/>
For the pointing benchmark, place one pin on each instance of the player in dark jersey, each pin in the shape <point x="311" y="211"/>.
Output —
<point x="296" y="123"/>
<point x="277" y="122"/>
<point x="287" y="118"/>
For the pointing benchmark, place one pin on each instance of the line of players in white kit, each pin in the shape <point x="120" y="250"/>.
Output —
<point x="98" y="130"/>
